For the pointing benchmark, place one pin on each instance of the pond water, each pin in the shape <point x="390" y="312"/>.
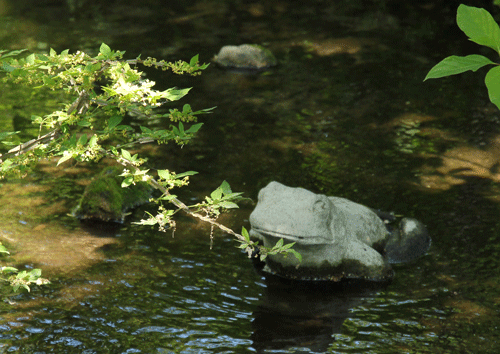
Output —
<point x="344" y="113"/>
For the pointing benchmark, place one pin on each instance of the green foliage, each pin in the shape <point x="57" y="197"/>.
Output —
<point x="96" y="111"/>
<point x="22" y="279"/>
<point x="279" y="247"/>
<point x="103" y="89"/>
<point x="481" y="28"/>
<point x="3" y="249"/>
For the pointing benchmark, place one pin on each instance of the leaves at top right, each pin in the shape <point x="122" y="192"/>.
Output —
<point x="481" y="28"/>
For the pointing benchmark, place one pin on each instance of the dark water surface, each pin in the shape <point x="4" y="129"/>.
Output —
<point x="344" y="113"/>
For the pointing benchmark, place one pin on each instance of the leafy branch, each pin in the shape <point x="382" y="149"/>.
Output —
<point x="481" y="28"/>
<point x="21" y="279"/>
<point x="102" y="90"/>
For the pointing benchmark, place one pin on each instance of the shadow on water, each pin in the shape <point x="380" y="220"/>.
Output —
<point x="344" y="113"/>
<point x="309" y="315"/>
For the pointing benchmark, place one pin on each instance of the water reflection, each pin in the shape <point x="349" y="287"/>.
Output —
<point x="305" y="314"/>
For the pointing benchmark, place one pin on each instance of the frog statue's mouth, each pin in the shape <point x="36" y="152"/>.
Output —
<point x="260" y="233"/>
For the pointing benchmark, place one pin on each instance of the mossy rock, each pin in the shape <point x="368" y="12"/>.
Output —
<point x="245" y="57"/>
<point x="104" y="199"/>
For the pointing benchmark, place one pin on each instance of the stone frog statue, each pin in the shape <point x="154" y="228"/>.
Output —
<point x="338" y="239"/>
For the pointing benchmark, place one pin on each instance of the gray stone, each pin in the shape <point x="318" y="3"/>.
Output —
<point x="245" y="57"/>
<point x="337" y="238"/>
<point x="408" y="242"/>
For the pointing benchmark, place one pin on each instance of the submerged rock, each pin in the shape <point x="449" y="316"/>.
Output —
<point x="338" y="239"/>
<point x="104" y="199"/>
<point x="245" y="57"/>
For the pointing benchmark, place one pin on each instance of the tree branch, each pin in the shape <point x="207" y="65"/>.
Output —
<point x="80" y="105"/>
<point x="179" y="204"/>
<point x="30" y="145"/>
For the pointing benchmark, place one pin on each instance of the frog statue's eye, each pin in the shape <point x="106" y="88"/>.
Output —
<point x="320" y="205"/>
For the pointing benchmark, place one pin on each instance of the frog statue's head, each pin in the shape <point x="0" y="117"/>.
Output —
<point x="294" y="214"/>
<point x="337" y="238"/>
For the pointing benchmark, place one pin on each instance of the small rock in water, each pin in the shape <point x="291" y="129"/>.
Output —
<point x="104" y="199"/>
<point x="245" y="57"/>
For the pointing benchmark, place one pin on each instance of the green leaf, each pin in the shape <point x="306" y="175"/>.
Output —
<point x="93" y="141"/>
<point x="492" y="82"/>
<point x="30" y="59"/>
<point x="3" y="135"/>
<point x="194" y="60"/>
<point x="48" y="81"/>
<point x="204" y="111"/>
<point x="479" y="26"/>
<point x="84" y="123"/>
<point x="229" y="205"/>
<point x="36" y="273"/>
<point x="109" y="91"/>
<point x="126" y="155"/>
<point x="216" y="194"/>
<point x="90" y="68"/>
<point x="140" y="172"/>
<point x="9" y="269"/>
<point x="296" y="254"/>
<point x="174" y="94"/>
<point x="186" y="109"/>
<point x="36" y="119"/>
<point x="149" y="222"/>
<point x="105" y="50"/>
<point x="114" y="121"/>
<point x="124" y="127"/>
<point x="187" y="173"/>
<point x="456" y="65"/>
<point x="64" y="158"/>
<point x="165" y="174"/>
<point x="226" y="189"/>
<point x="228" y="196"/>
<point x="6" y="165"/>
<point x="194" y="128"/>
<point x="7" y="68"/>
<point x="3" y="249"/>
<point x="288" y="245"/>
<point x="127" y="181"/>
<point x="244" y="233"/>
<point x="279" y="244"/>
<point x="72" y="141"/>
<point x="5" y="54"/>
<point x="83" y="140"/>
